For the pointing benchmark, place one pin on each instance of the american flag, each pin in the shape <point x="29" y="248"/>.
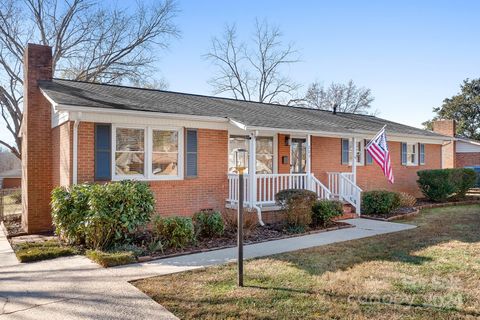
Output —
<point x="378" y="149"/>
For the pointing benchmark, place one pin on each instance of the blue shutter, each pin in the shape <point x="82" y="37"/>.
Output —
<point x="191" y="153"/>
<point x="103" y="152"/>
<point x="368" y="157"/>
<point x="404" y="153"/>
<point x="422" y="153"/>
<point x="345" y="151"/>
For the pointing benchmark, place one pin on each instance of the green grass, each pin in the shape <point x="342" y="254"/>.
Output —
<point x="36" y="251"/>
<point x="431" y="272"/>
<point x="111" y="259"/>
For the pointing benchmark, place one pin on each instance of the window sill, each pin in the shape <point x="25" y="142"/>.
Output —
<point x="141" y="178"/>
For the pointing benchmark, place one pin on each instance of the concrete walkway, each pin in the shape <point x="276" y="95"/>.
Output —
<point x="364" y="228"/>
<point x="76" y="288"/>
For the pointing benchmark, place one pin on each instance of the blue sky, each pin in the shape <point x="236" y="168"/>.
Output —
<point x="412" y="54"/>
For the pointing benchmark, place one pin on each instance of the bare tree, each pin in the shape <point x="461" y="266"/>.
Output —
<point x="253" y="71"/>
<point x="348" y="98"/>
<point x="90" y="41"/>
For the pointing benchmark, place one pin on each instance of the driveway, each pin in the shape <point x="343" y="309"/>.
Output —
<point x="76" y="288"/>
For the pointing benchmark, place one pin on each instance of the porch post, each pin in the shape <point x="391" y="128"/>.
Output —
<point x="309" y="161"/>
<point x="252" y="174"/>
<point x="354" y="160"/>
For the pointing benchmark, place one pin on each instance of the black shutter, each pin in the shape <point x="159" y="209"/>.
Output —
<point x="191" y="153"/>
<point x="103" y="152"/>
<point x="345" y="151"/>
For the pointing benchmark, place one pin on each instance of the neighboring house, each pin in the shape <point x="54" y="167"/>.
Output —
<point x="11" y="179"/>
<point x="465" y="151"/>
<point x="183" y="144"/>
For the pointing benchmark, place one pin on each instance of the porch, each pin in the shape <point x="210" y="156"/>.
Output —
<point x="259" y="192"/>
<point x="260" y="187"/>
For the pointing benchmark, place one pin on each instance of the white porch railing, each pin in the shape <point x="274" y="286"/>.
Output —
<point x="342" y="185"/>
<point x="268" y="185"/>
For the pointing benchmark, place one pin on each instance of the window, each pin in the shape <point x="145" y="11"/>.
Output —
<point x="347" y="151"/>
<point x="368" y="157"/>
<point x="164" y="153"/>
<point x="130" y="152"/>
<point x="264" y="155"/>
<point x="103" y="150"/>
<point x="422" y="153"/>
<point x="147" y="153"/>
<point x="264" y="152"/>
<point x="409" y="154"/>
<point x="191" y="153"/>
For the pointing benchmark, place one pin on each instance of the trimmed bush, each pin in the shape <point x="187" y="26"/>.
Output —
<point x="174" y="232"/>
<point x="297" y="204"/>
<point x="100" y="216"/>
<point x="380" y="202"/>
<point x="407" y="200"/>
<point x="441" y="184"/>
<point x="36" y="251"/>
<point x="323" y="211"/>
<point x="111" y="259"/>
<point x="208" y="224"/>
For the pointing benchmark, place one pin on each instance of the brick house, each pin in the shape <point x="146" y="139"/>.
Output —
<point x="183" y="145"/>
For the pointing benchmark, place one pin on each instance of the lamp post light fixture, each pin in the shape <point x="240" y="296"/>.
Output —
<point x="240" y="166"/>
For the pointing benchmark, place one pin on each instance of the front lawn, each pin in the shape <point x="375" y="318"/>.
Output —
<point x="432" y="272"/>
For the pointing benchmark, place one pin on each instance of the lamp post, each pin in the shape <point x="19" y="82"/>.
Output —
<point x="240" y="166"/>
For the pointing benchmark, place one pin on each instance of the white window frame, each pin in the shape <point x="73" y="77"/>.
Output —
<point x="148" y="148"/>
<point x="275" y="150"/>
<point x="417" y="150"/>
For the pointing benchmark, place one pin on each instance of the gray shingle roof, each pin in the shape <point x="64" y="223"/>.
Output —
<point x="251" y="114"/>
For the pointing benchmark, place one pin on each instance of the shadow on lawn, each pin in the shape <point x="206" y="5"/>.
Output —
<point x="435" y="226"/>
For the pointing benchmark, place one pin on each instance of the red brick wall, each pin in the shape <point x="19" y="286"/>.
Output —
<point x="326" y="156"/>
<point x="283" y="150"/>
<point x="36" y="141"/>
<point x="9" y="183"/>
<point x="62" y="154"/>
<point x="467" y="159"/>
<point x="86" y="152"/>
<point x="179" y="197"/>
<point x="448" y="128"/>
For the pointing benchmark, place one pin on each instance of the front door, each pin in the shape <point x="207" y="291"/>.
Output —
<point x="298" y="149"/>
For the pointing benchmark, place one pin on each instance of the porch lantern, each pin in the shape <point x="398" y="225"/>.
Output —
<point x="240" y="166"/>
<point x="240" y="160"/>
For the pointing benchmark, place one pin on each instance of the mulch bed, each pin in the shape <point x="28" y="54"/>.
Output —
<point x="409" y="212"/>
<point x="229" y="240"/>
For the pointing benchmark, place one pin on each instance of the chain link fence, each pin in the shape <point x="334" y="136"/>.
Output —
<point x="10" y="203"/>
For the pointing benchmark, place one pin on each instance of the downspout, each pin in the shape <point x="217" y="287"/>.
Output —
<point x="75" y="149"/>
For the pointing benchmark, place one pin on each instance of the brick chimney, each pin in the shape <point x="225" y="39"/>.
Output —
<point x="445" y="127"/>
<point x="36" y="141"/>
<point x="448" y="128"/>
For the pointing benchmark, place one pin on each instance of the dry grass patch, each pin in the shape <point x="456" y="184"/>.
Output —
<point x="428" y="272"/>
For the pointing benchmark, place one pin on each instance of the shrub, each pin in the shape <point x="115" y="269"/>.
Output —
<point x="250" y="221"/>
<point x="468" y="181"/>
<point x="323" y="211"/>
<point x="441" y="184"/>
<point x="101" y="215"/>
<point x="297" y="204"/>
<point x="407" y="200"/>
<point x="117" y="211"/>
<point x="70" y="209"/>
<point x="36" y="251"/>
<point x="380" y="202"/>
<point x="208" y="224"/>
<point x="111" y="259"/>
<point x="174" y="232"/>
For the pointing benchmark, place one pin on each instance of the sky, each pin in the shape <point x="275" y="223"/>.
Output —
<point x="411" y="54"/>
